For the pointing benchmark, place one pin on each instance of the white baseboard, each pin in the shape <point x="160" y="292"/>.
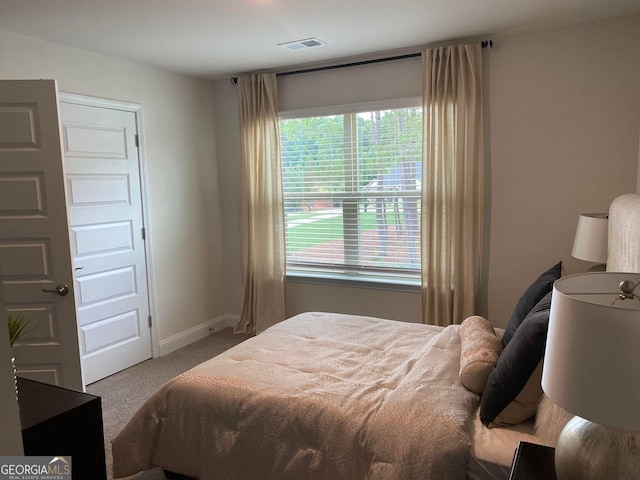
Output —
<point x="194" y="334"/>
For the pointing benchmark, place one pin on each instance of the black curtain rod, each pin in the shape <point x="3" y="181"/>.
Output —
<point x="345" y="65"/>
<point x="234" y="80"/>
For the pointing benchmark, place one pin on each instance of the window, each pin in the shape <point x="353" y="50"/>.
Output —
<point x="352" y="192"/>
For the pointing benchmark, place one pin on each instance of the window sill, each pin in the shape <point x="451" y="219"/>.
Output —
<point x="361" y="281"/>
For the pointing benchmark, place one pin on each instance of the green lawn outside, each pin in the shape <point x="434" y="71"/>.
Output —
<point x="310" y="234"/>
<point x="307" y="235"/>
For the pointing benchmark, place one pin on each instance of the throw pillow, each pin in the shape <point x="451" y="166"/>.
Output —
<point x="532" y="295"/>
<point x="526" y="403"/>
<point x="480" y="349"/>
<point x="519" y="365"/>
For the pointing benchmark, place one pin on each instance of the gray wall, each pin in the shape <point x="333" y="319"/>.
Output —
<point x="563" y="134"/>
<point x="186" y="240"/>
<point x="563" y="130"/>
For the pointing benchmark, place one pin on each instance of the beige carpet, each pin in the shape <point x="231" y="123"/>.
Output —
<point x="124" y="392"/>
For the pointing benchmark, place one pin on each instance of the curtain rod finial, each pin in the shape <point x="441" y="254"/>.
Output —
<point x="234" y="80"/>
<point x="486" y="44"/>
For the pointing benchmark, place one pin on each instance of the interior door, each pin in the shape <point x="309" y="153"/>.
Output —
<point x="34" y="236"/>
<point x="104" y="201"/>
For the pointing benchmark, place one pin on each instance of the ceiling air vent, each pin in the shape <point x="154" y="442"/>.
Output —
<point x="300" y="44"/>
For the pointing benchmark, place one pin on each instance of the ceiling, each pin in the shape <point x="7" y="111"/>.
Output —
<point x="217" y="38"/>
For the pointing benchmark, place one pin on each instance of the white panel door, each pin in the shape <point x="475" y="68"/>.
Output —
<point x="107" y="241"/>
<point x="34" y="235"/>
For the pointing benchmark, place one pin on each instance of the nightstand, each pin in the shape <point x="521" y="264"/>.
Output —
<point x="60" y="421"/>
<point x="533" y="462"/>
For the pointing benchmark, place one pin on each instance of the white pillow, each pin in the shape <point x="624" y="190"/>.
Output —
<point x="550" y="420"/>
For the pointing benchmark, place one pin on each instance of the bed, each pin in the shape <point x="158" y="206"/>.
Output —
<point x="331" y="396"/>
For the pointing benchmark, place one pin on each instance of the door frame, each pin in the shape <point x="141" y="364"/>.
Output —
<point x="136" y="109"/>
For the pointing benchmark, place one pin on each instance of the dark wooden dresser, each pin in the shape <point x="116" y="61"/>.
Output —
<point x="533" y="462"/>
<point x="57" y="421"/>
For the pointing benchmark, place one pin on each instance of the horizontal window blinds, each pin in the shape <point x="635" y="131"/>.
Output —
<point x="352" y="191"/>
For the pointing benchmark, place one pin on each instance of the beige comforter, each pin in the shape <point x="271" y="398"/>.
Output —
<point x="319" y="396"/>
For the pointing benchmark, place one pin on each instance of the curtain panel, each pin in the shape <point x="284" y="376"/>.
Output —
<point x="452" y="183"/>
<point x="262" y="205"/>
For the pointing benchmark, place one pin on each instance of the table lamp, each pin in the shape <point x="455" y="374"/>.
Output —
<point x="590" y="242"/>
<point x="592" y="369"/>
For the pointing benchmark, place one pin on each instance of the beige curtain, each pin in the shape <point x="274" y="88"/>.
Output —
<point x="452" y="183"/>
<point x="262" y="209"/>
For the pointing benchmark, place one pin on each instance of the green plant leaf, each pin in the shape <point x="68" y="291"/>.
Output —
<point x="17" y="325"/>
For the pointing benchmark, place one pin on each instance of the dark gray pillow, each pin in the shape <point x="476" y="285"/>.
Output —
<point x="517" y="362"/>
<point x="528" y="300"/>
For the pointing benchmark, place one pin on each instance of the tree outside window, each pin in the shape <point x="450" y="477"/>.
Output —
<point x="352" y="192"/>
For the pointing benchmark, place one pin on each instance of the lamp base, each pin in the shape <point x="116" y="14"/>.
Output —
<point x="587" y="450"/>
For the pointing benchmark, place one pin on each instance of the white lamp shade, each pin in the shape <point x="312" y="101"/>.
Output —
<point x="590" y="242"/>
<point x="592" y="359"/>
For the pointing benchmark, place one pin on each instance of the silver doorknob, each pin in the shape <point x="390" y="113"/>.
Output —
<point x="60" y="290"/>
